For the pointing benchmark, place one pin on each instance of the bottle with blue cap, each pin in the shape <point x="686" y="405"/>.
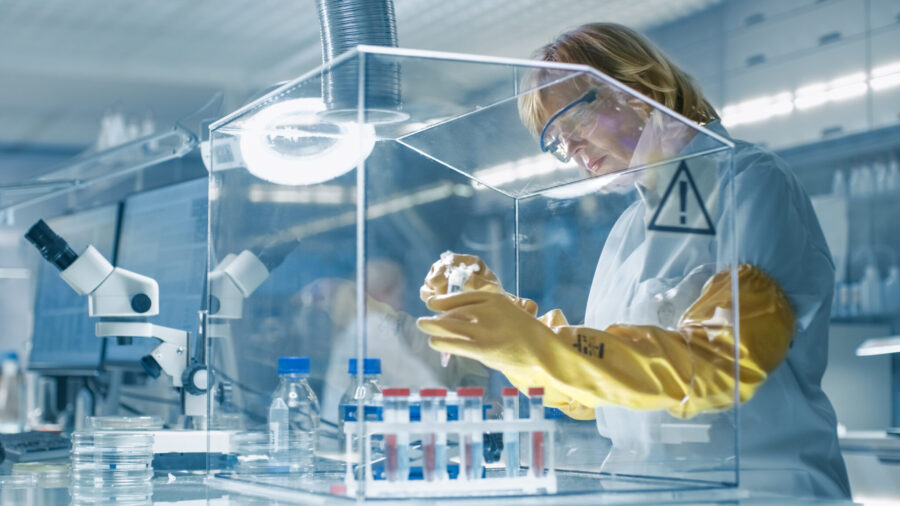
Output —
<point x="356" y="391"/>
<point x="293" y="418"/>
<point x="11" y="419"/>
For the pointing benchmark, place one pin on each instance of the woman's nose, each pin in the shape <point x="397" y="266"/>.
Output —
<point x="574" y="144"/>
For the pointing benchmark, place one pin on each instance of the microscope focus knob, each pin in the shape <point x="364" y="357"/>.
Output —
<point x="214" y="305"/>
<point x="196" y="379"/>
<point x="151" y="366"/>
<point x="141" y="303"/>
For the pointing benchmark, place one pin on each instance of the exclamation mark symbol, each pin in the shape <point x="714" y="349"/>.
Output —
<point x="682" y="187"/>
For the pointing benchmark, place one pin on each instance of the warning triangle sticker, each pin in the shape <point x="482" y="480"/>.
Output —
<point x="681" y="208"/>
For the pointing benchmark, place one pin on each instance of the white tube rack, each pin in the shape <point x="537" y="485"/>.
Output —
<point x="499" y="485"/>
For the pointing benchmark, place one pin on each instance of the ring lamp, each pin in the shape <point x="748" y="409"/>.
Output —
<point x="287" y="143"/>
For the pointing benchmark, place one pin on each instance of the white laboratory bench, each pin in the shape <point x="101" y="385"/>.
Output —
<point x="873" y="464"/>
<point x="195" y="489"/>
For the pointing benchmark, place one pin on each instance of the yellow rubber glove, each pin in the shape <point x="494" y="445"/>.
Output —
<point x="485" y="280"/>
<point x="686" y="372"/>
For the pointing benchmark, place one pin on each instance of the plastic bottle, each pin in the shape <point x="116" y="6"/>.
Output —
<point x="853" y="307"/>
<point x="866" y="181"/>
<point x="893" y="176"/>
<point x="294" y="417"/>
<point x="870" y="300"/>
<point x="10" y="393"/>
<point x="892" y="290"/>
<point x="879" y="177"/>
<point x="366" y="392"/>
<point x="838" y="184"/>
<point x="84" y="407"/>
<point x="853" y="182"/>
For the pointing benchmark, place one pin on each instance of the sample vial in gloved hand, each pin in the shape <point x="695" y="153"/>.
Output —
<point x="457" y="275"/>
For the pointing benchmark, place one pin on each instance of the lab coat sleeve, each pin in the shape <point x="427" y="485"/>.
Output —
<point x="779" y="233"/>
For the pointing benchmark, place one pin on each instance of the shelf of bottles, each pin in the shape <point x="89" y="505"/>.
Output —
<point x="868" y="286"/>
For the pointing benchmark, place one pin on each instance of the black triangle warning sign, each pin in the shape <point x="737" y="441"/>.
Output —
<point x="681" y="208"/>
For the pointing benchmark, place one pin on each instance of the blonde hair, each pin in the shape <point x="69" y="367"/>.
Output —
<point x="626" y="56"/>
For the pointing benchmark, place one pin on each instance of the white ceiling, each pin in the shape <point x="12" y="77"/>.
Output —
<point x="64" y="62"/>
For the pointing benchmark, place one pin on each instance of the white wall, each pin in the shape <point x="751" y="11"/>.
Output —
<point x="858" y="387"/>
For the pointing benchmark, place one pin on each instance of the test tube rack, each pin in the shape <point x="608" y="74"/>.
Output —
<point x="489" y="485"/>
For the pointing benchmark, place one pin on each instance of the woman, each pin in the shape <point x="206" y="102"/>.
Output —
<point x="657" y="340"/>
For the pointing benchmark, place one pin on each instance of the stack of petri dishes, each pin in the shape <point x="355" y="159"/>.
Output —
<point x="112" y="461"/>
<point x="252" y="450"/>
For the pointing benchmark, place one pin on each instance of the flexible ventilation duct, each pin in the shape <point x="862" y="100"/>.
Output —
<point x="344" y="25"/>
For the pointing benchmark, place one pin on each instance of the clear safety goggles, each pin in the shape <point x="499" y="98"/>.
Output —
<point x="564" y="127"/>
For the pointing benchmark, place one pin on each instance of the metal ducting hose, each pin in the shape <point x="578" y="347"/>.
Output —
<point x="344" y="25"/>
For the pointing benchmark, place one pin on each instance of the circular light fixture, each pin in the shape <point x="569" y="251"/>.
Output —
<point x="288" y="143"/>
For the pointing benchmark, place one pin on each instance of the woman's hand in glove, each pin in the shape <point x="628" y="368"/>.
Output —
<point x="436" y="280"/>
<point x="483" y="280"/>
<point x="486" y="326"/>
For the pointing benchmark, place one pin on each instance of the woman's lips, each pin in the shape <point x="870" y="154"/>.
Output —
<point x="595" y="165"/>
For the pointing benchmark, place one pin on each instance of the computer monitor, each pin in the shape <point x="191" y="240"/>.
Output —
<point x="163" y="236"/>
<point x="63" y="341"/>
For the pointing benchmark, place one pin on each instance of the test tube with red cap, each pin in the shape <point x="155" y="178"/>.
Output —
<point x="511" y="437"/>
<point x="536" y="412"/>
<point x="473" y="440"/>
<point x="434" y="445"/>
<point x="396" y="410"/>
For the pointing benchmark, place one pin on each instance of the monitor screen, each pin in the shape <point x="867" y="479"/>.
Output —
<point x="163" y="236"/>
<point x="64" y="341"/>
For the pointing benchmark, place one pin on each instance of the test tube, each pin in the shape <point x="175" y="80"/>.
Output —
<point x="473" y="442"/>
<point x="396" y="410"/>
<point x="434" y="445"/>
<point x="510" y="437"/>
<point x="536" y="412"/>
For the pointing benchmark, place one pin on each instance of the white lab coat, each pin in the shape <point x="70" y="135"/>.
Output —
<point x="787" y="437"/>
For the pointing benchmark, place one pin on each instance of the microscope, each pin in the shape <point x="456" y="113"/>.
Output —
<point x="123" y="300"/>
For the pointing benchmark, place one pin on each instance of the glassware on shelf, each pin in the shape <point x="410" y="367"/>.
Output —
<point x="870" y="302"/>
<point x="838" y="184"/>
<point x="891" y="290"/>
<point x="11" y="416"/>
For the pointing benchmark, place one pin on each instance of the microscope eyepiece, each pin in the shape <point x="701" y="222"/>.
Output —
<point x="51" y="246"/>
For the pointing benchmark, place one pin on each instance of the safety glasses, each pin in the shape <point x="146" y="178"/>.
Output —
<point x="553" y="139"/>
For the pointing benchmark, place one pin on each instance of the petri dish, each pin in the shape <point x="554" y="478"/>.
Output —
<point x="125" y="423"/>
<point x="45" y="474"/>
